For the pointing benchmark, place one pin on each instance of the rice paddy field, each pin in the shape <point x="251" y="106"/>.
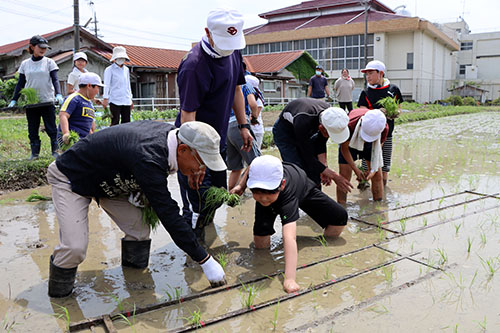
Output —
<point x="426" y="258"/>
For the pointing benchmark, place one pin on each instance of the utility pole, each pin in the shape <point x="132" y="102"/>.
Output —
<point x="95" y="25"/>
<point x="76" y="25"/>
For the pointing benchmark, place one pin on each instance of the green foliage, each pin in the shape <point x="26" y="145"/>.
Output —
<point x="267" y="140"/>
<point x="73" y="138"/>
<point x="390" y="106"/>
<point x="304" y="67"/>
<point x="470" y="101"/>
<point x="155" y="114"/>
<point x="277" y="107"/>
<point x="454" y="100"/>
<point x="7" y="88"/>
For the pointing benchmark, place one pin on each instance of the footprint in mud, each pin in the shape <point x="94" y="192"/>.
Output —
<point x="36" y="245"/>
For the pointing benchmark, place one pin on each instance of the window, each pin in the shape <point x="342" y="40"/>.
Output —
<point x="465" y="46"/>
<point x="462" y="69"/>
<point x="269" y="86"/>
<point x="275" y="47"/>
<point x="409" y="60"/>
<point x="311" y="43"/>
<point x="299" y="44"/>
<point x="148" y="89"/>
<point x="263" y="48"/>
<point x="324" y="42"/>
<point x="338" y="41"/>
<point x="286" y="46"/>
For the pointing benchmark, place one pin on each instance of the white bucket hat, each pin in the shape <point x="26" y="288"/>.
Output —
<point x="119" y="52"/>
<point x="335" y="121"/>
<point x="372" y="125"/>
<point x="206" y="141"/>
<point x="226" y="29"/>
<point x="266" y="172"/>
<point x="80" y="55"/>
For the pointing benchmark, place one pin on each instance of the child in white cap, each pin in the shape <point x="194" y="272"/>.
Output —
<point x="80" y="61"/>
<point x="367" y="132"/>
<point x="281" y="188"/>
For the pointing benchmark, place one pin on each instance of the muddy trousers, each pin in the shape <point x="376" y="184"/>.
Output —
<point x="72" y="216"/>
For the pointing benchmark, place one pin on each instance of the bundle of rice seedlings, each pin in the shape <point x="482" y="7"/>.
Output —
<point x="35" y="196"/>
<point x="148" y="214"/>
<point x="363" y="184"/>
<point x="106" y="113"/>
<point x="391" y="107"/>
<point x="215" y="197"/>
<point x="73" y="138"/>
<point x="29" y="96"/>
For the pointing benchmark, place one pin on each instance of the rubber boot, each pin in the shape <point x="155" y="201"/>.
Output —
<point x="61" y="280"/>
<point x="135" y="253"/>
<point x="54" y="146"/>
<point x="35" y="150"/>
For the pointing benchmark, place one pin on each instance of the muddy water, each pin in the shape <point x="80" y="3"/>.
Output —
<point x="425" y="222"/>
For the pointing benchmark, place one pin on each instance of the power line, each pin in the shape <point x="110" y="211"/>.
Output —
<point x="148" y="32"/>
<point x="46" y="11"/>
<point x="141" y="37"/>
<point x="42" y="18"/>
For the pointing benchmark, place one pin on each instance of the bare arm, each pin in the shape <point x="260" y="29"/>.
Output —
<point x="327" y="90"/>
<point x="187" y="116"/>
<point x="242" y="185"/>
<point x="344" y="149"/>
<point x="63" y="121"/>
<point x="309" y="91"/>
<point x="69" y="88"/>
<point x="252" y="103"/>
<point x="290" y="245"/>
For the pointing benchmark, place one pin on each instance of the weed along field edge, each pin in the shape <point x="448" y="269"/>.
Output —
<point x="425" y="258"/>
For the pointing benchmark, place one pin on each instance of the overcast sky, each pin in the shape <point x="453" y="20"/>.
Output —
<point x="176" y="24"/>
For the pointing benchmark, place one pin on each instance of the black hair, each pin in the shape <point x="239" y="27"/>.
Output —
<point x="345" y="69"/>
<point x="84" y="85"/>
<point x="264" y="191"/>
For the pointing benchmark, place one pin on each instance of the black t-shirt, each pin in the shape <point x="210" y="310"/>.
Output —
<point x="302" y="118"/>
<point x="370" y="96"/>
<point x="123" y="159"/>
<point x="297" y="187"/>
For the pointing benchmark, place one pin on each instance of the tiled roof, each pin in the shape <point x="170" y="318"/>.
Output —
<point x="321" y="21"/>
<point x="307" y="6"/>
<point x="271" y="62"/>
<point x="24" y="43"/>
<point x="142" y="56"/>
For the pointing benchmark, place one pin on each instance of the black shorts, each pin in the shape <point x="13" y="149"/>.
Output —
<point x="319" y="206"/>
<point x="366" y="154"/>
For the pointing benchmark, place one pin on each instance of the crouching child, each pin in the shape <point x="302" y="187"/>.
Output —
<point x="281" y="188"/>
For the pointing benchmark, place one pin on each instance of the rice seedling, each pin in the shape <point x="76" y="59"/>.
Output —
<point x="391" y="107"/>
<point x="73" y="138"/>
<point x="215" y="197"/>
<point x="64" y="314"/>
<point x="443" y="257"/>
<point x="149" y="216"/>
<point x="347" y="262"/>
<point x="473" y="279"/>
<point x="388" y="272"/>
<point x="469" y="244"/>
<point x="173" y="293"/>
<point x="482" y="324"/>
<point x="327" y="273"/>
<point x="379" y="309"/>
<point x="194" y="318"/>
<point x="129" y="322"/>
<point x="381" y="234"/>
<point x="424" y="221"/>
<point x="380" y="221"/>
<point x="6" y="325"/>
<point x="248" y="294"/>
<point x="222" y="258"/>
<point x="35" y="196"/>
<point x="460" y="282"/>
<point x="274" y="322"/>
<point x="457" y="228"/>
<point x="402" y="224"/>
<point x="490" y="265"/>
<point x="483" y="238"/>
<point x="29" y="96"/>
<point x="119" y="302"/>
<point x="322" y="240"/>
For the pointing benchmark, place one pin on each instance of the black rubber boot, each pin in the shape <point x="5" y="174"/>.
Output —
<point x="54" y="146"/>
<point x="61" y="280"/>
<point x="35" y="150"/>
<point x="135" y="253"/>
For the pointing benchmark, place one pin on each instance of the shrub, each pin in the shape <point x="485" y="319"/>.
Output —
<point x="470" y="101"/>
<point x="268" y="140"/>
<point x="454" y="100"/>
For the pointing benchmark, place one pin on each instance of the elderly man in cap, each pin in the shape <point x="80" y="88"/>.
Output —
<point x="367" y="133"/>
<point x="301" y="133"/>
<point x="115" y="166"/>
<point x="209" y="80"/>
<point x="117" y="91"/>
<point x="318" y="85"/>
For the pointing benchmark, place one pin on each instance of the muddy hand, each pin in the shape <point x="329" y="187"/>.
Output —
<point x="342" y="183"/>
<point x="214" y="272"/>
<point x="290" y="286"/>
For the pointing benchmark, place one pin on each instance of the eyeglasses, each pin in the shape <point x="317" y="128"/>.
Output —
<point x="202" y="166"/>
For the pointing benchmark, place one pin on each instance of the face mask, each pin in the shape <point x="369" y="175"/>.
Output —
<point x="223" y="53"/>
<point x="318" y="73"/>
<point x="120" y="61"/>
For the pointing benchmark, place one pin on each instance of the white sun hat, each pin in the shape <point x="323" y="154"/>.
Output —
<point x="119" y="52"/>
<point x="226" y="29"/>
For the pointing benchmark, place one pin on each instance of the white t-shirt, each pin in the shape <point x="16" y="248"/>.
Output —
<point x="74" y="77"/>
<point x="259" y="128"/>
<point x="38" y="77"/>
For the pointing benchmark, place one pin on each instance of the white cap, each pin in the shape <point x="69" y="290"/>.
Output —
<point x="252" y="80"/>
<point x="266" y="172"/>
<point x="374" y="65"/>
<point x="226" y="29"/>
<point x="372" y="125"/>
<point x="205" y="140"/>
<point x="335" y="121"/>
<point x="119" y="52"/>
<point x="80" y="55"/>
<point x="90" y="78"/>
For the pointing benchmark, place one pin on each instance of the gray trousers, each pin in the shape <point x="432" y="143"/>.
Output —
<point x="72" y="216"/>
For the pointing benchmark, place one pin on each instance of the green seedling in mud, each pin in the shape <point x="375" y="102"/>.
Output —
<point x="315" y="297"/>
<point x="473" y="279"/>
<point x="469" y="244"/>
<point x="174" y="293"/>
<point x="388" y="272"/>
<point x="402" y="224"/>
<point x="457" y="228"/>
<point x="460" y="282"/>
<point x="347" y="262"/>
<point x="73" y="138"/>
<point x="440" y="202"/>
<point x="380" y="221"/>
<point x="424" y="221"/>
<point x="483" y="238"/>
<point x="482" y="324"/>
<point x="248" y="294"/>
<point x="443" y="257"/>
<point x="222" y="259"/>
<point x="274" y="322"/>
<point x="363" y="184"/>
<point x="322" y="240"/>
<point x="194" y="319"/>
<point x="381" y="234"/>
<point x="379" y="309"/>
<point x="119" y="303"/>
<point x="129" y="322"/>
<point x="35" y="196"/>
<point x="327" y="273"/>
<point x="64" y="314"/>
<point x="6" y="326"/>
<point x="491" y="265"/>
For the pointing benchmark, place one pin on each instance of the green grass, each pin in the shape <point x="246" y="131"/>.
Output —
<point x="14" y="142"/>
